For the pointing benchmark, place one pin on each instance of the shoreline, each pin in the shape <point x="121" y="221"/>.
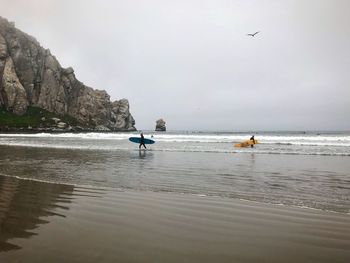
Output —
<point x="203" y="196"/>
<point x="254" y="176"/>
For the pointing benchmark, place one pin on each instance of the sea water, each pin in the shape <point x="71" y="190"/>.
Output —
<point x="298" y="143"/>
<point x="304" y="169"/>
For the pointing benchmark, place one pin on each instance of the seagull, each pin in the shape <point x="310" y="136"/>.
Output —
<point x="252" y="35"/>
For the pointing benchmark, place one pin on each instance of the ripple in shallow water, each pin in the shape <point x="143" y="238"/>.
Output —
<point x="319" y="182"/>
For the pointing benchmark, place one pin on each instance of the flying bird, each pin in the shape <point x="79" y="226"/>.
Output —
<point x="252" y="35"/>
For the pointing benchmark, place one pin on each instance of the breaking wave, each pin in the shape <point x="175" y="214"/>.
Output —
<point x="299" y="144"/>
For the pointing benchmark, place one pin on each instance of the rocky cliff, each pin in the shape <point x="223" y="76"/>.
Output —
<point x="31" y="76"/>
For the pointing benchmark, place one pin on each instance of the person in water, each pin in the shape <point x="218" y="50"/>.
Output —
<point x="252" y="139"/>
<point x="142" y="141"/>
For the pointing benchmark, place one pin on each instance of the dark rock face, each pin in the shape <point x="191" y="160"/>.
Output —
<point x="160" y="125"/>
<point x="31" y="76"/>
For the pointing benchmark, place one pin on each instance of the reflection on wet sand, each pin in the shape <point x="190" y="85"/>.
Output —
<point x="142" y="154"/>
<point x="107" y="225"/>
<point x="25" y="204"/>
<point x="148" y="206"/>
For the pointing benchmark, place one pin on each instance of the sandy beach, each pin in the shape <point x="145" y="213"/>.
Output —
<point x="42" y="222"/>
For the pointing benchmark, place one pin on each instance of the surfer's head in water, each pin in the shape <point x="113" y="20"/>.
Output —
<point x="252" y="139"/>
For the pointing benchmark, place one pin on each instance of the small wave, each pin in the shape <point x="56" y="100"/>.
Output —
<point x="308" y="144"/>
<point x="81" y="186"/>
<point x="188" y="149"/>
<point x="248" y="151"/>
<point x="35" y="180"/>
<point x="246" y="199"/>
<point x="70" y="147"/>
<point x="200" y="195"/>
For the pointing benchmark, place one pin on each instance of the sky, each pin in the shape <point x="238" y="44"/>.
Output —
<point x="192" y="63"/>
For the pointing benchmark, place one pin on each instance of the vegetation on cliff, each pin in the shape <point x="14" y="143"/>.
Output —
<point x="33" y="118"/>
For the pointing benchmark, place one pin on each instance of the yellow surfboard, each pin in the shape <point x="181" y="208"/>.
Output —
<point x="246" y="143"/>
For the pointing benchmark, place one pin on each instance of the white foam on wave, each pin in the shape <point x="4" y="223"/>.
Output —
<point x="324" y="140"/>
<point x="91" y="135"/>
<point x="305" y="143"/>
<point x="331" y="145"/>
<point x="342" y="141"/>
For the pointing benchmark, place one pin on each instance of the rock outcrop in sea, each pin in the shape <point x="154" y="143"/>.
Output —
<point x="30" y="76"/>
<point x="160" y="125"/>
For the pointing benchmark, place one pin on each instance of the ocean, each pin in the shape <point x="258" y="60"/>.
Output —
<point x="66" y="184"/>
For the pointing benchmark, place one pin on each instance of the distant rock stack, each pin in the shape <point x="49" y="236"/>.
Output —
<point x="160" y="125"/>
<point x="31" y="76"/>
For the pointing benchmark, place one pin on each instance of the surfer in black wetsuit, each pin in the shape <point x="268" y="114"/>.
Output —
<point x="253" y="140"/>
<point x="142" y="141"/>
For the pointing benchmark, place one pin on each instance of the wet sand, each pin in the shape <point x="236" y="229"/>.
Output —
<point x="43" y="222"/>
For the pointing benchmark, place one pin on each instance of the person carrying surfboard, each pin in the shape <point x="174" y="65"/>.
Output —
<point x="142" y="141"/>
<point x="252" y="139"/>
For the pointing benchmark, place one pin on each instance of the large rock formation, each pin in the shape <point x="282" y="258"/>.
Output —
<point x="160" y="125"/>
<point x="31" y="76"/>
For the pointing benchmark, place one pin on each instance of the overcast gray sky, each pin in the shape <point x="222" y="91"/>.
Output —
<point x="191" y="62"/>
